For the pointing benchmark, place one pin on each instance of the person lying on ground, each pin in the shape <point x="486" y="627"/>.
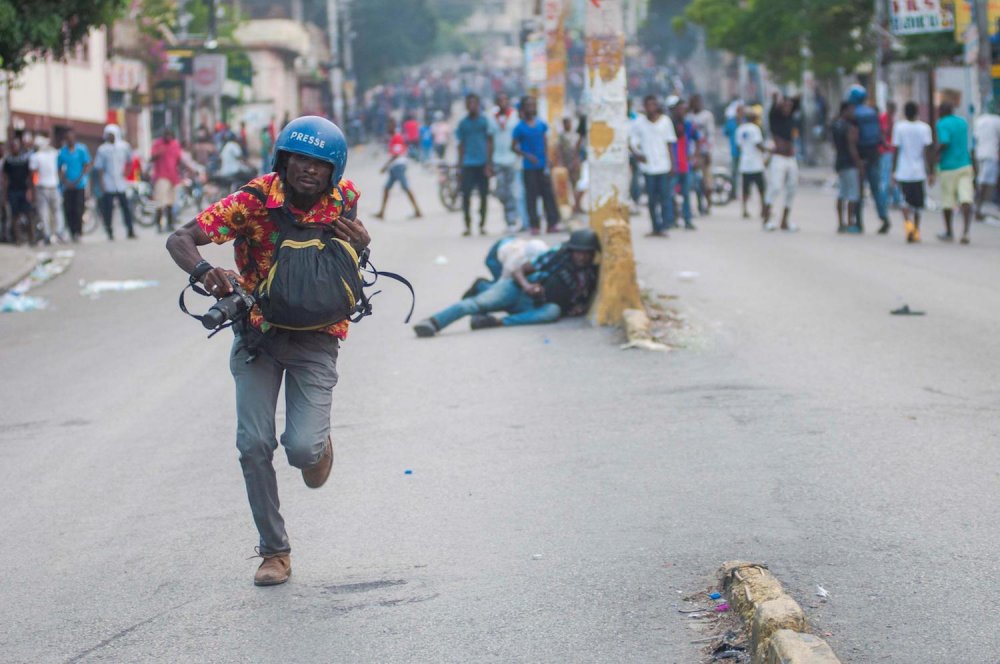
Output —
<point x="504" y="257"/>
<point x="558" y="283"/>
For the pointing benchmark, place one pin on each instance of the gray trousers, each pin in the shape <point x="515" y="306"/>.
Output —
<point x="308" y="363"/>
<point x="505" y="192"/>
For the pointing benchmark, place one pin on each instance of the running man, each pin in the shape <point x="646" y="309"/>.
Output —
<point x="396" y="165"/>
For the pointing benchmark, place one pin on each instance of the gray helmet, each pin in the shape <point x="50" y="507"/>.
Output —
<point x="583" y="240"/>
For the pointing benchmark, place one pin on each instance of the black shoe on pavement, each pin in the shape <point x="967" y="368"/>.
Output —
<point x="884" y="229"/>
<point x="946" y="237"/>
<point x="426" y="328"/>
<point x="484" y="322"/>
<point x="132" y="236"/>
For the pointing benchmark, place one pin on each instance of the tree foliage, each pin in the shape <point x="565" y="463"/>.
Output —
<point x="788" y="35"/>
<point x="663" y="35"/>
<point x="34" y="28"/>
<point x="933" y="49"/>
<point x="390" y="34"/>
<point x="452" y="12"/>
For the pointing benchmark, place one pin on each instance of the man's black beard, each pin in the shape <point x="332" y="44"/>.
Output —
<point x="303" y="202"/>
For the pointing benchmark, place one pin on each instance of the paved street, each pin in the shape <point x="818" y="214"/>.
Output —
<point x="564" y="493"/>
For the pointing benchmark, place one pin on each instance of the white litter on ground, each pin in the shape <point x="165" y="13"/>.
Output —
<point x="94" y="289"/>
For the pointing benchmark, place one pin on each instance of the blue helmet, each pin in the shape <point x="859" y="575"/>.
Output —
<point x="857" y="94"/>
<point x="314" y="137"/>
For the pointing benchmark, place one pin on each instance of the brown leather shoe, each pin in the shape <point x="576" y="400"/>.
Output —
<point x="275" y="570"/>
<point x="315" y="475"/>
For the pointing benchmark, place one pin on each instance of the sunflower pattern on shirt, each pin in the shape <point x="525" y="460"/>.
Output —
<point x="244" y="219"/>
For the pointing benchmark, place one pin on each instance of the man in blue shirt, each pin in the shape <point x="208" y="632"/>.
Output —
<point x="529" y="143"/>
<point x="74" y="165"/>
<point x="475" y="158"/>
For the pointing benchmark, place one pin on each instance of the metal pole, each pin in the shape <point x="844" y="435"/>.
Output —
<point x="336" y="72"/>
<point x="985" y="60"/>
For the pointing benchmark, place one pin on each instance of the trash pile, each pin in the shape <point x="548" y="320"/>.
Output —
<point x="49" y="265"/>
<point x="709" y="614"/>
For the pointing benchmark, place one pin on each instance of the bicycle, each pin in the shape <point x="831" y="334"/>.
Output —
<point x="450" y="187"/>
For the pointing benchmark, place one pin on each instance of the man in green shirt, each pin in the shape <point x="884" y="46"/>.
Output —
<point x="956" y="172"/>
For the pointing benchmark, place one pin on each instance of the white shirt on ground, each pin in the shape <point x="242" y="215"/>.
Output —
<point x="650" y="139"/>
<point x="910" y="139"/>
<point x="44" y="162"/>
<point x="749" y="138"/>
<point x="986" y="133"/>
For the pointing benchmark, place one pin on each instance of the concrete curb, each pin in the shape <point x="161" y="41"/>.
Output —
<point x="777" y="623"/>
<point x="638" y="331"/>
<point x="15" y="265"/>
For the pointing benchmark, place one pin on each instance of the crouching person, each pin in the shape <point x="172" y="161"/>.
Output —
<point x="558" y="283"/>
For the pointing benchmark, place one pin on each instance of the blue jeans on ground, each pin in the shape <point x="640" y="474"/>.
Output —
<point x="685" y="181"/>
<point x="504" y="295"/>
<point x="873" y="175"/>
<point x="893" y="196"/>
<point x="661" y="204"/>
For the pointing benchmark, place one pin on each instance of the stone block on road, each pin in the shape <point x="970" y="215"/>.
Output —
<point x="771" y="616"/>
<point x="788" y="647"/>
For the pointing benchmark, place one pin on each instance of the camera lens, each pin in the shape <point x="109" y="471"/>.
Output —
<point x="213" y="318"/>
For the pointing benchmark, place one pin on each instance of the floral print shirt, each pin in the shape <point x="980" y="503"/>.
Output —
<point x="243" y="218"/>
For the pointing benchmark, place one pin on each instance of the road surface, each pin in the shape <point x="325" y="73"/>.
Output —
<point x="564" y="493"/>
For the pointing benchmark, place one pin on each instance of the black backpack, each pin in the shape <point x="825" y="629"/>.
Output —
<point x="306" y="255"/>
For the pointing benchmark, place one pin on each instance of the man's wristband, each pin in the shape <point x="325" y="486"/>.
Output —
<point x="199" y="271"/>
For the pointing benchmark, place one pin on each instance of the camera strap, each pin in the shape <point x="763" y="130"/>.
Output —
<point x="364" y="307"/>
<point x="200" y="291"/>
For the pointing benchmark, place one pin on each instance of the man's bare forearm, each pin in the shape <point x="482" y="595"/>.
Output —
<point x="182" y="245"/>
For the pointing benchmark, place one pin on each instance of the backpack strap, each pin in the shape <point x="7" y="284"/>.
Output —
<point x="364" y="307"/>
<point x="255" y="192"/>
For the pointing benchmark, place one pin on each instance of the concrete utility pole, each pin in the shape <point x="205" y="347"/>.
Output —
<point x="985" y="61"/>
<point x="336" y="71"/>
<point x="555" y="60"/>
<point x="881" y="85"/>
<point x="348" y="59"/>
<point x="607" y="159"/>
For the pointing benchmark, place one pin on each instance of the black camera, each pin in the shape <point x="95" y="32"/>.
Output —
<point x="230" y="308"/>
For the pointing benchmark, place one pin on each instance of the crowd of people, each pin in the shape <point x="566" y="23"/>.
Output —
<point x="45" y="184"/>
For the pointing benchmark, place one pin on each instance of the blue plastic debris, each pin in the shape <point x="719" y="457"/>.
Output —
<point x="407" y="472"/>
<point x="715" y="595"/>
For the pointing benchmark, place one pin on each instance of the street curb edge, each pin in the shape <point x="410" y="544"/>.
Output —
<point x="776" y="622"/>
